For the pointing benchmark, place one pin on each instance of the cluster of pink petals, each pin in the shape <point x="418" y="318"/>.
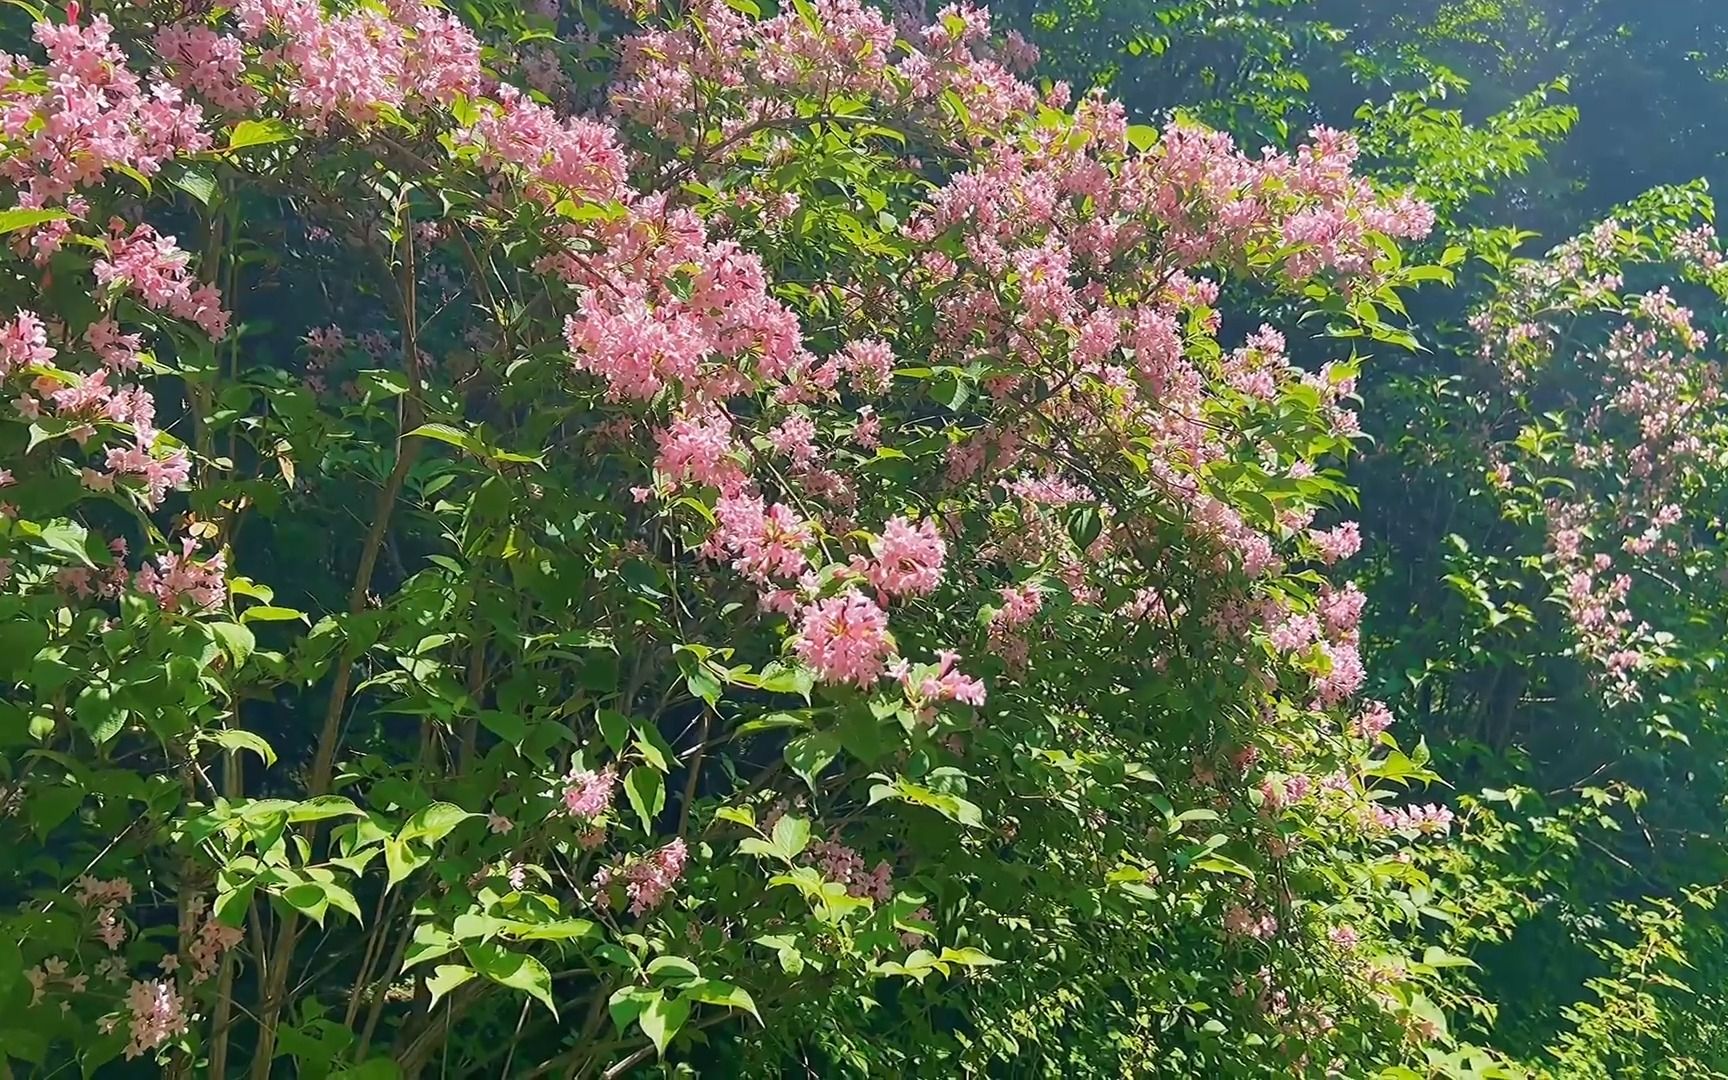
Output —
<point x="156" y="475"/>
<point x="646" y="880"/>
<point x="1429" y="820"/>
<point x="154" y="268"/>
<point x="588" y="793"/>
<point x="553" y="155"/>
<point x="842" y="864"/>
<point x="701" y="449"/>
<point x="208" y="64"/>
<point x="1240" y="921"/>
<point x="178" y="580"/>
<point x="50" y="972"/>
<point x="1337" y="544"/>
<point x="354" y="65"/>
<point x="938" y="683"/>
<point x="155" y="1014"/>
<point x="844" y="639"/>
<point x="1020" y="603"/>
<point x="869" y="364"/>
<point x="105" y="898"/>
<point x="765" y="543"/>
<point x="95" y="115"/>
<point x="23" y="343"/>
<point x="908" y="559"/>
<point x="1374" y="718"/>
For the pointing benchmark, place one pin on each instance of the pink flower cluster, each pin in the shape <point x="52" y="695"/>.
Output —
<point x="845" y="639"/>
<point x="93" y="115"/>
<point x="178" y="579"/>
<point x="1429" y="820"/>
<point x="155" y="1015"/>
<point x="211" y="65"/>
<point x="24" y="343"/>
<point x="1337" y="544"/>
<point x="1020" y="603"/>
<point x="154" y="268"/>
<point x="1245" y="922"/>
<point x="1374" y="718"/>
<point x="908" y="558"/>
<point x="588" y="793"/>
<point x="837" y="862"/>
<point x="646" y="880"/>
<point x="351" y="66"/>
<point x="766" y="543"/>
<point x="208" y="938"/>
<point x="929" y="685"/>
<point x="50" y="973"/>
<point x="105" y="898"/>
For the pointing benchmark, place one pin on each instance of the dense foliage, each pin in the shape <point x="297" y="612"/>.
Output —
<point x="778" y="539"/>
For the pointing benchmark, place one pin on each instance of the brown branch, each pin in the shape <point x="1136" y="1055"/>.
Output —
<point x="329" y="738"/>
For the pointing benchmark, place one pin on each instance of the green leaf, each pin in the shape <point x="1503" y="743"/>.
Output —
<point x="236" y="739"/>
<point x="791" y="836"/>
<point x="809" y="754"/>
<point x="266" y="613"/>
<point x="22" y="218"/>
<point x="562" y="930"/>
<point x="445" y="978"/>
<point x="322" y="807"/>
<point x="662" y="1019"/>
<point x="258" y="133"/>
<point x="196" y="183"/>
<point x="715" y="992"/>
<point x="741" y="815"/>
<point x="428" y="943"/>
<point x="99" y="712"/>
<point x="1221" y="864"/>
<point x="454" y="436"/>
<point x="67" y="538"/>
<point x="950" y="806"/>
<point x="628" y="1002"/>
<point x="615" y="726"/>
<point x="673" y="970"/>
<point x="400" y="860"/>
<point x="236" y="641"/>
<point x="433" y="823"/>
<point x="308" y="899"/>
<point x="647" y="793"/>
<point x="519" y="971"/>
<point x="1142" y="137"/>
<point x="968" y="957"/>
<point x="1436" y="957"/>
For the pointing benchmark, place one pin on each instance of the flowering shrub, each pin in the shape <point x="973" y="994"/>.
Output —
<point x="778" y="552"/>
<point x="1572" y="660"/>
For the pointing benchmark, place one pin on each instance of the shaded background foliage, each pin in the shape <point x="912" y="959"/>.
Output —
<point x="1596" y="845"/>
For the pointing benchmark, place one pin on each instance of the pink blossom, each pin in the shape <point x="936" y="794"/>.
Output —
<point x="839" y="863"/>
<point x="938" y="683"/>
<point x="869" y="363"/>
<point x="1374" y="718"/>
<point x="23" y="343"/>
<point x="179" y="578"/>
<point x="1426" y="820"/>
<point x="908" y="558"/>
<point x="845" y="639"/>
<point x="647" y="880"/>
<point x="1337" y="544"/>
<point x="155" y="1015"/>
<point x="588" y="794"/>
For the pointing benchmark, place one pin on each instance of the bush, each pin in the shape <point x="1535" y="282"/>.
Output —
<point x="797" y="572"/>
